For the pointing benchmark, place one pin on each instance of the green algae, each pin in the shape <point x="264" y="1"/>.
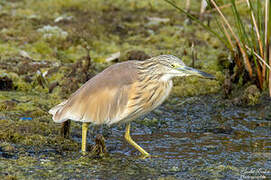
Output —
<point x="195" y="86"/>
<point x="34" y="133"/>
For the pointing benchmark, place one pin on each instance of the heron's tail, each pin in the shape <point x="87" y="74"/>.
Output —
<point x="56" y="110"/>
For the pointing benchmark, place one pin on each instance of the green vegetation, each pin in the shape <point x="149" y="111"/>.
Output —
<point x="247" y="39"/>
<point x="54" y="31"/>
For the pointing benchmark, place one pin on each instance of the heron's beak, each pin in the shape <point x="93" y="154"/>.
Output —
<point x="191" y="71"/>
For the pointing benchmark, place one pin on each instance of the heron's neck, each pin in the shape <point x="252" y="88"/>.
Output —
<point x="167" y="77"/>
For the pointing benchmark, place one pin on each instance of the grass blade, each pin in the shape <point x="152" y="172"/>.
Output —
<point x="267" y="37"/>
<point x="240" y="25"/>
<point x="225" y="6"/>
<point x="259" y="16"/>
<point x="244" y="54"/>
<point x="227" y="36"/>
<point x="187" y="6"/>
<point x="256" y="28"/>
<point x="259" y="57"/>
<point x="198" y="21"/>
<point x="269" y="52"/>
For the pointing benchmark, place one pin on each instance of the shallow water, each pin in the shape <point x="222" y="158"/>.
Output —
<point x="192" y="138"/>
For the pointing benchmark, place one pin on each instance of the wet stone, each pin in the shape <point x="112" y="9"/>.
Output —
<point x="7" y="105"/>
<point x="6" y="83"/>
<point x="7" y="147"/>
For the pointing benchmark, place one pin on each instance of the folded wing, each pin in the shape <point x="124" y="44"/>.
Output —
<point x="101" y="100"/>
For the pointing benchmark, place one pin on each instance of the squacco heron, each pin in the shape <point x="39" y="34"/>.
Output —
<point x="122" y="93"/>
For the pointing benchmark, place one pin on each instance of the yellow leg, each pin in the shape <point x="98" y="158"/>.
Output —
<point x="84" y="137"/>
<point x="133" y="143"/>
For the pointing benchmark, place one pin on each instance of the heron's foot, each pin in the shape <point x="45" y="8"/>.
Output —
<point x="148" y="156"/>
<point x="145" y="156"/>
<point x="84" y="153"/>
<point x="134" y="144"/>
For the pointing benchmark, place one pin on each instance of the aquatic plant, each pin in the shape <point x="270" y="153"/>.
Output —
<point x="247" y="40"/>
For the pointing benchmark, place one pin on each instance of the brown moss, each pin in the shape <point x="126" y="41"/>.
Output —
<point x="248" y="96"/>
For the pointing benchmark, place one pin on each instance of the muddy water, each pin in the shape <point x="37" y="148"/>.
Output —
<point x="193" y="138"/>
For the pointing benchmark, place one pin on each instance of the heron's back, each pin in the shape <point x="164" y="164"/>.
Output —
<point x="118" y="94"/>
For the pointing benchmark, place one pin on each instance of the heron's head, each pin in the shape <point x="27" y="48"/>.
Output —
<point x="170" y="66"/>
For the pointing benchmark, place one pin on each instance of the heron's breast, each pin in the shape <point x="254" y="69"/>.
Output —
<point x="145" y="100"/>
<point x="150" y="97"/>
<point x="157" y="96"/>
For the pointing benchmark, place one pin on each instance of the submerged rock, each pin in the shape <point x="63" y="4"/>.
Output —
<point x="99" y="149"/>
<point x="250" y="96"/>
